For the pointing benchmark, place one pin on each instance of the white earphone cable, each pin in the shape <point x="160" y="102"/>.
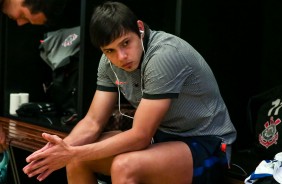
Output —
<point x="119" y="84"/>
<point x="119" y="93"/>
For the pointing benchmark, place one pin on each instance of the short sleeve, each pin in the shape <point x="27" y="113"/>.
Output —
<point x="103" y="79"/>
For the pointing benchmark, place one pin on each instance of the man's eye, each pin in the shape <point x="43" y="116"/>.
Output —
<point x="125" y="43"/>
<point x="108" y="51"/>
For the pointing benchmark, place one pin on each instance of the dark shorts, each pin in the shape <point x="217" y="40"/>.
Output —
<point x="209" y="160"/>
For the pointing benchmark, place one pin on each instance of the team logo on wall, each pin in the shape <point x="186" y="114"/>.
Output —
<point x="269" y="135"/>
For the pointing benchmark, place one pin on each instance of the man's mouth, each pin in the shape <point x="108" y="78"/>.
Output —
<point x="127" y="65"/>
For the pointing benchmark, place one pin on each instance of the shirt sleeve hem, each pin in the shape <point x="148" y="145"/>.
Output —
<point x="106" y="88"/>
<point x="160" y="96"/>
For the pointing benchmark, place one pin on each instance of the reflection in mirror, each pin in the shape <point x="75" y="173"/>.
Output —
<point x="52" y="13"/>
<point x="27" y="26"/>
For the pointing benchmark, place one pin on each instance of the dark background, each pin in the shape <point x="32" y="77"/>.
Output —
<point x="240" y="40"/>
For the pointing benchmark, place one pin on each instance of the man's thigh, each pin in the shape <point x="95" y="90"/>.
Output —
<point x="167" y="162"/>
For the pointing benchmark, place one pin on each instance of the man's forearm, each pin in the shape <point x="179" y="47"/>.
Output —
<point x="84" y="132"/>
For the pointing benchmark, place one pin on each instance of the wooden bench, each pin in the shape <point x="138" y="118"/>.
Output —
<point x="26" y="136"/>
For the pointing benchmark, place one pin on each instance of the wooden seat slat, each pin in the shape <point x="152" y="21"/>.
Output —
<point x="26" y="136"/>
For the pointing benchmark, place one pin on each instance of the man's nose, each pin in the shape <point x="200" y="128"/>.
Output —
<point x="122" y="54"/>
<point x="22" y="22"/>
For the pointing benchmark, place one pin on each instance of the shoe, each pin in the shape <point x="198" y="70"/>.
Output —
<point x="277" y="173"/>
<point x="4" y="167"/>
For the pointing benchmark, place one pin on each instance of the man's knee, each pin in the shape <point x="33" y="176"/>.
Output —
<point x="124" y="168"/>
<point x="121" y="163"/>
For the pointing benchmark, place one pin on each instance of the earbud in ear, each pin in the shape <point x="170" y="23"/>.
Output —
<point x="141" y="31"/>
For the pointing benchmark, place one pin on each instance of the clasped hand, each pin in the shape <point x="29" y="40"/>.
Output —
<point x="54" y="155"/>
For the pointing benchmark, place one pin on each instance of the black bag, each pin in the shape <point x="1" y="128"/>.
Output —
<point x="264" y="125"/>
<point x="32" y="109"/>
<point x="265" y="115"/>
<point x="60" y="50"/>
<point x="63" y="91"/>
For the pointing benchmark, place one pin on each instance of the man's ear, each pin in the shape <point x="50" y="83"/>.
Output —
<point x="141" y="28"/>
<point x="140" y="25"/>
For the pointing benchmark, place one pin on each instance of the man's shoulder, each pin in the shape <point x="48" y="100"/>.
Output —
<point x="161" y="39"/>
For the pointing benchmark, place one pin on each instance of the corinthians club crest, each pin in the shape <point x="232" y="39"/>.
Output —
<point x="269" y="135"/>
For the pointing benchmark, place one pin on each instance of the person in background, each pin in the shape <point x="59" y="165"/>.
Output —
<point x="36" y="12"/>
<point x="53" y="14"/>
<point x="181" y="131"/>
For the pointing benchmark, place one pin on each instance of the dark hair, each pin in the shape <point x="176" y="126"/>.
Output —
<point x="110" y="21"/>
<point x="1" y="4"/>
<point x="52" y="9"/>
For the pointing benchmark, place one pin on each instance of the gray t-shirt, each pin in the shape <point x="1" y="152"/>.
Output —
<point x="172" y="68"/>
